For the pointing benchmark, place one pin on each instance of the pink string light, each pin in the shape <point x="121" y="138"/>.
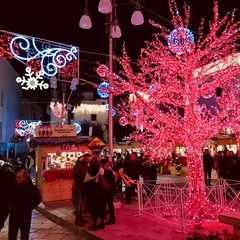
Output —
<point x="169" y="91"/>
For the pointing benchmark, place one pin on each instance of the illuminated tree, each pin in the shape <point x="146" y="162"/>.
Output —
<point x="174" y="97"/>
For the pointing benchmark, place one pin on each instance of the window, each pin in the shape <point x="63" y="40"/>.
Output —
<point x="93" y="117"/>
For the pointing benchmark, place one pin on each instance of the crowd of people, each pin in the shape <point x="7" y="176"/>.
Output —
<point x="97" y="180"/>
<point x="226" y="164"/>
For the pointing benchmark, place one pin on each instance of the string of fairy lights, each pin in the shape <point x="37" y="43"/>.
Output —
<point x="169" y="104"/>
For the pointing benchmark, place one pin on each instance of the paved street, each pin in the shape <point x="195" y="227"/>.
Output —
<point x="44" y="229"/>
<point x="55" y="221"/>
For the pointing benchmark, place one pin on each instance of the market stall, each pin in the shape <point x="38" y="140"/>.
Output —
<point x="55" y="159"/>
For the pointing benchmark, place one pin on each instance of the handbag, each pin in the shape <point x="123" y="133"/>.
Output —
<point x="104" y="183"/>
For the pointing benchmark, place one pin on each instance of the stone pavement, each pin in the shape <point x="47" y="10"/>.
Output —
<point x="44" y="229"/>
<point x="55" y="221"/>
<point x="129" y="225"/>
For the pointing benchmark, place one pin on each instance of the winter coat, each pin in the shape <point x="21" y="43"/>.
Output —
<point x="96" y="194"/>
<point x="23" y="199"/>
<point x="80" y="170"/>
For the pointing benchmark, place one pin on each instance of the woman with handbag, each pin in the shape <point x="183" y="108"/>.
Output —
<point x="96" y="194"/>
<point x="110" y="177"/>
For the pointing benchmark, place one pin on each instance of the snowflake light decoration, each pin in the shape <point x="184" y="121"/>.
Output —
<point x="31" y="81"/>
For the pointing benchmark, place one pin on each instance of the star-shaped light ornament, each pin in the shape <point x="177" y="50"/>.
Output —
<point x="30" y="81"/>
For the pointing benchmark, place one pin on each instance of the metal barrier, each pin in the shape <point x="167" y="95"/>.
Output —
<point x="168" y="200"/>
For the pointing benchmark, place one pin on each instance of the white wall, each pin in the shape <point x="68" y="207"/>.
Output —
<point x="10" y="92"/>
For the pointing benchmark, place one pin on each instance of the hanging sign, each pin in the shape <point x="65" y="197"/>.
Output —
<point x="56" y="130"/>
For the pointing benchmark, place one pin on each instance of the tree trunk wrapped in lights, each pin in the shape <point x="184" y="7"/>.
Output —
<point x="173" y="95"/>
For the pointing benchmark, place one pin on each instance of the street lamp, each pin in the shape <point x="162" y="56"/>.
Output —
<point x="109" y="7"/>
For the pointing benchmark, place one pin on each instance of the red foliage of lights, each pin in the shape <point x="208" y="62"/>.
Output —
<point x="174" y="98"/>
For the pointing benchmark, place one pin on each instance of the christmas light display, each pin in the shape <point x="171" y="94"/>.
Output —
<point x="24" y="128"/>
<point x="123" y="121"/>
<point x="66" y="68"/>
<point x="53" y="57"/>
<point x="180" y="40"/>
<point x="32" y="80"/>
<point x="78" y="126"/>
<point x="113" y="110"/>
<point x="58" y="109"/>
<point x="5" y="50"/>
<point x="167" y="108"/>
<point x="102" y="90"/>
<point x="34" y="64"/>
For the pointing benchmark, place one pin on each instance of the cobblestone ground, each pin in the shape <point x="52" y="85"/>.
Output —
<point x="43" y="229"/>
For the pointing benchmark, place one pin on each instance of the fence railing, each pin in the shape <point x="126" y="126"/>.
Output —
<point x="168" y="200"/>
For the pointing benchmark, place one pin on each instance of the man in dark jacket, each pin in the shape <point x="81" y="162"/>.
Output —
<point x="24" y="197"/>
<point x="7" y="180"/>
<point x="208" y="165"/>
<point x="79" y="196"/>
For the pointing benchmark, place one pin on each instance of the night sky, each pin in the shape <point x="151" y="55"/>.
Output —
<point x="58" y="21"/>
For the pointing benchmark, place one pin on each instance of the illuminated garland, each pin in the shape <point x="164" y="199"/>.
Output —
<point x="24" y="128"/>
<point x="5" y="50"/>
<point x="71" y="67"/>
<point x="53" y="57"/>
<point x="170" y="101"/>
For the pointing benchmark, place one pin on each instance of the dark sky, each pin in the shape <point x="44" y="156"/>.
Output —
<point x="58" y="21"/>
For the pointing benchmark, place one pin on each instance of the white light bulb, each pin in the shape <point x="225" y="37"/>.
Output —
<point x="137" y="17"/>
<point x="105" y="6"/>
<point x="116" y="31"/>
<point x="85" y="21"/>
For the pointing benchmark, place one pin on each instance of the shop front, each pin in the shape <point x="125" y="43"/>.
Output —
<point x="55" y="159"/>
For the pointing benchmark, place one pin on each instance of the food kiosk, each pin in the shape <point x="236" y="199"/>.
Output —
<point x="56" y="154"/>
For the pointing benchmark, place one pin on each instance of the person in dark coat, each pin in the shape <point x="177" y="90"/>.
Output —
<point x="96" y="194"/>
<point x="208" y="165"/>
<point x="111" y="180"/>
<point x="117" y="166"/>
<point x="132" y="168"/>
<point x="7" y="180"/>
<point x="79" y="196"/>
<point x="149" y="174"/>
<point x="24" y="197"/>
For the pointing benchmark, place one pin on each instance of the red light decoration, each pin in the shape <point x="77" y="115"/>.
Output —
<point x="123" y="121"/>
<point x="167" y="89"/>
<point x="70" y="68"/>
<point x="34" y="64"/>
<point x="5" y="50"/>
<point x="59" y="110"/>
<point x="101" y="70"/>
